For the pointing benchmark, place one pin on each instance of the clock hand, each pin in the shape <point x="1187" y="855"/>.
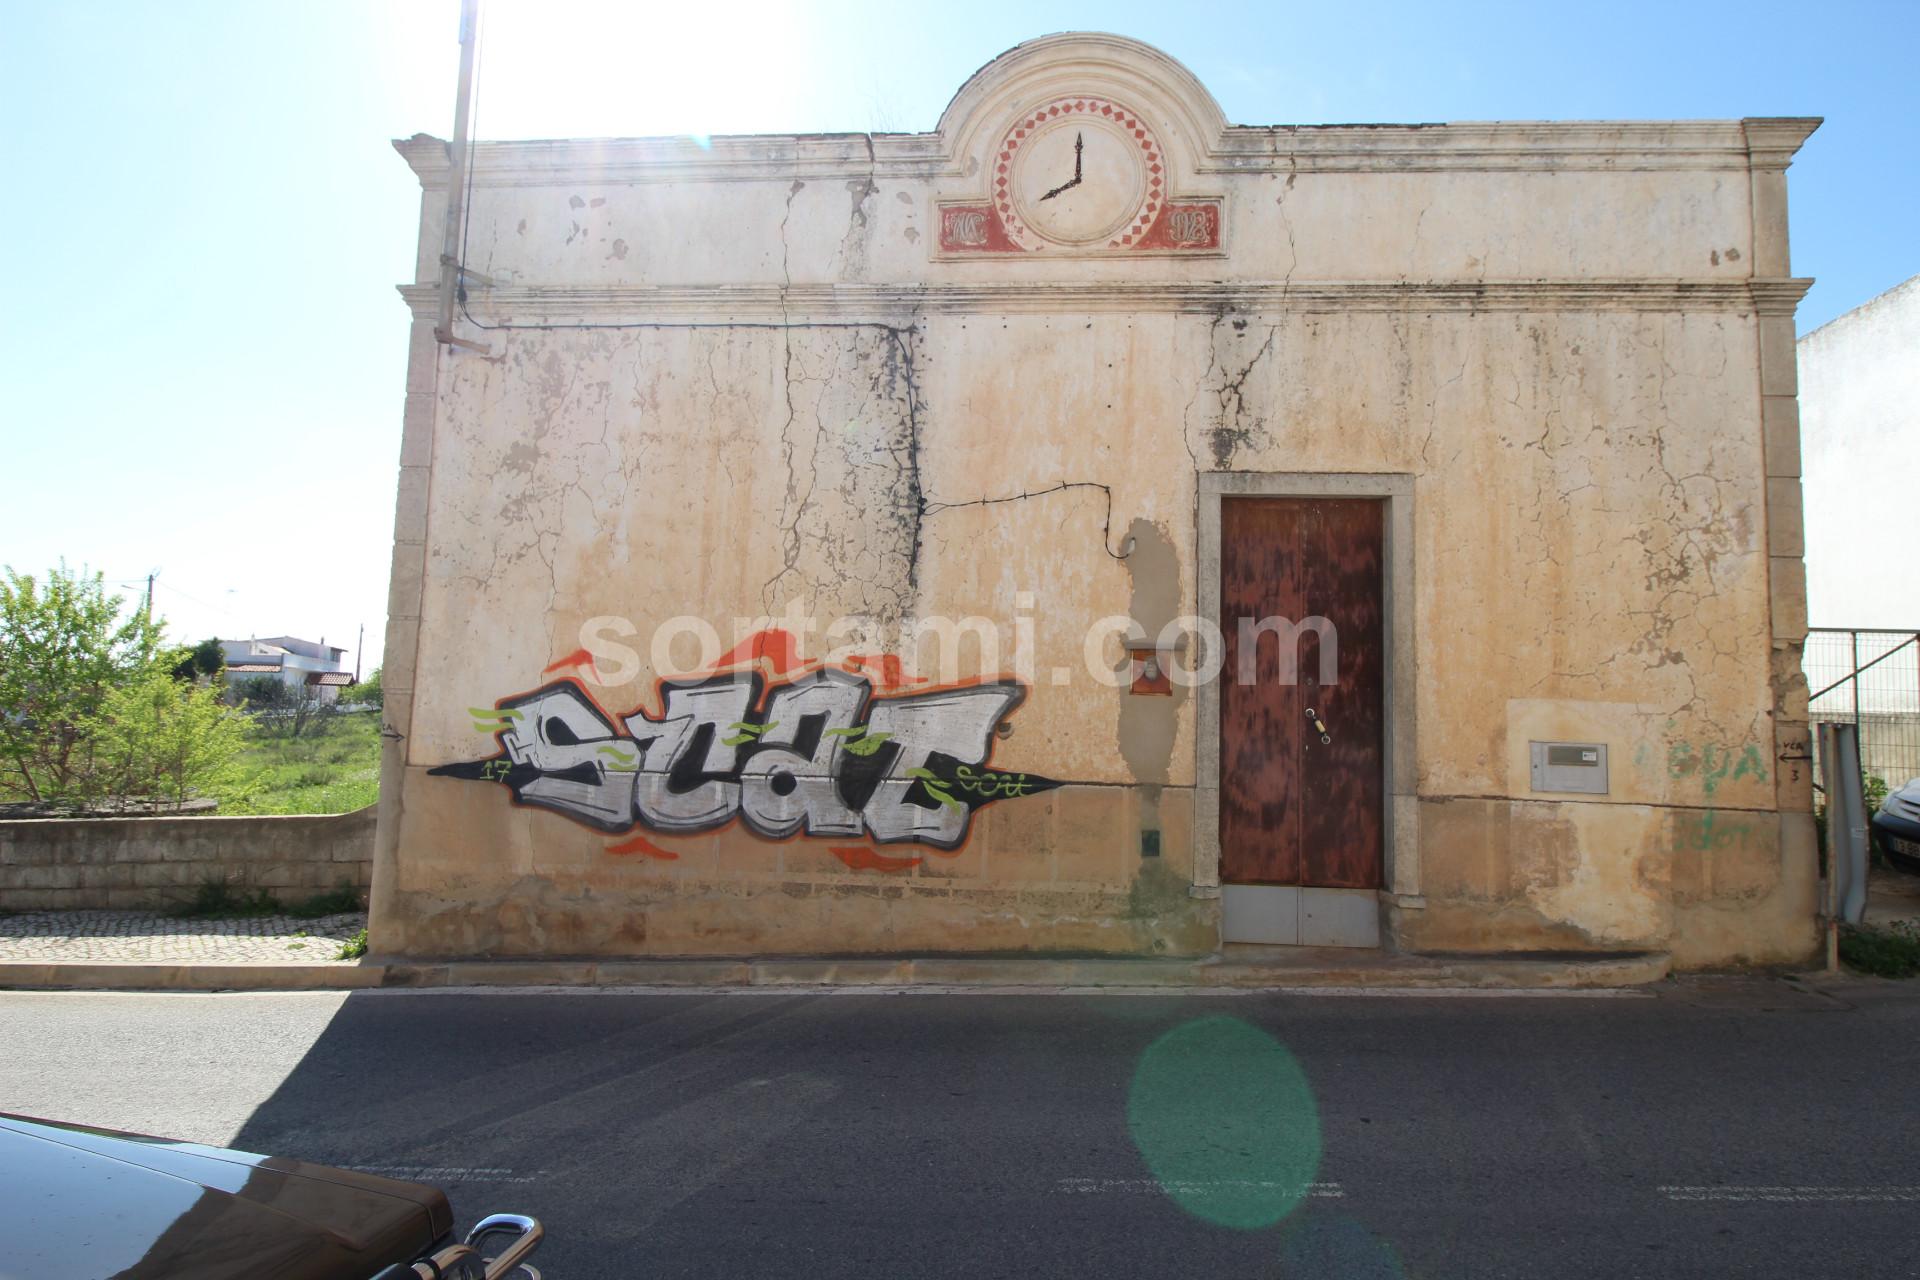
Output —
<point x="1062" y="187"/>
<point x="1080" y="144"/>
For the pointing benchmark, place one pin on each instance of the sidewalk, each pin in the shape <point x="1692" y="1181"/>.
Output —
<point x="132" y="950"/>
<point x="149" y="937"/>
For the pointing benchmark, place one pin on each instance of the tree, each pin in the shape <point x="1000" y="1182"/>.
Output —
<point x="367" y="693"/>
<point x="163" y="738"/>
<point x="63" y="649"/>
<point x="284" y="710"/>
<point x="259" y="693"/>
<point x="192" y="662"/>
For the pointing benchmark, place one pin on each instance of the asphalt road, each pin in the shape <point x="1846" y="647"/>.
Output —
<point x="1715" y="1128"/>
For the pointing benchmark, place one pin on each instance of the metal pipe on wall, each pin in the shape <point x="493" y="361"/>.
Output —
<point x="457" y="175"/>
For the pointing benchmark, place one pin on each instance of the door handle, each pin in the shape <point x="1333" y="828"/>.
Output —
<point x="1320" y="725"/>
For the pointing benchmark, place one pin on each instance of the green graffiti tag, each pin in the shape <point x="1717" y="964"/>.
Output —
<point x="1709" y="832"/>
<point x="1714" y="763"/>
<point x="989" y="785"/>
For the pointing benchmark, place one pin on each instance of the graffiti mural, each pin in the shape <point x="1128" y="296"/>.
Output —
<point x="819" y="755"/>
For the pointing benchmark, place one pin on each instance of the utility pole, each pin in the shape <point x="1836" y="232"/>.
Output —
<point x="149" y="605"/>
<point x="357" y="642"/>
<point x="457" y="180"/>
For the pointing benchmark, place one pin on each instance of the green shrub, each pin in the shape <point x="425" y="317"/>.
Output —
<point x="1891" y="951"/>
<point x="353" y="948"/>
<point x="161" y="738"/>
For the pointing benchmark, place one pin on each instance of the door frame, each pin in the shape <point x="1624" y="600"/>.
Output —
<point x="1400" y="823"/>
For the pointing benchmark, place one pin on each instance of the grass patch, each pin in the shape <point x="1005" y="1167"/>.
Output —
<point x="336" y="772"/>
<point x="334" y="902"/>
<point x="218" y="900"/>
<point x="1889" y="952"/>
<point x="353" y="948"/>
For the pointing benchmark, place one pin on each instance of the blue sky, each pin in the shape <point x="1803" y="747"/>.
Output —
<point x="204" y="354"/>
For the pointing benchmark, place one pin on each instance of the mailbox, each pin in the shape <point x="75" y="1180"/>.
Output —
<point x="1579" y="767"/>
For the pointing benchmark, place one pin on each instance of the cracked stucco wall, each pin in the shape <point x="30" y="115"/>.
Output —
<point x="1592" y="538"/>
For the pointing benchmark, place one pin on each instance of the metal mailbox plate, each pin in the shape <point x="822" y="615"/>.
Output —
<point x="1578" y="767"/>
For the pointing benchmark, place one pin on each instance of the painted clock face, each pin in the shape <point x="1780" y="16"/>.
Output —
<point x="1079" y="172"/>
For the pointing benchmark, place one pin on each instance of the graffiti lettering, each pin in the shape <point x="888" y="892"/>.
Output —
<point x="1713" y="763"/>
<point x="819" y="755"/>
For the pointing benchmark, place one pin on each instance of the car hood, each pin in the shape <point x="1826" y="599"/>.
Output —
<point x="1904" y="803"/>
<point x="84" y="1202"/>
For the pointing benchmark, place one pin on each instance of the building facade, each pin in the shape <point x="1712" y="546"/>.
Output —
<point x="1095" y="527"/>
<point x="1860" y="403"/>
<point x="296" y="663"/>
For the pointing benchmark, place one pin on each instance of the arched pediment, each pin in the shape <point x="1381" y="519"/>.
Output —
<point x="1080" y="143"/>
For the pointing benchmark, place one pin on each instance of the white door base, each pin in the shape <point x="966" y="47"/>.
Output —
<point x="1288" y="916"/>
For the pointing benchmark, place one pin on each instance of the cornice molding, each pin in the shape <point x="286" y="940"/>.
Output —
<point x="1504" y="147"/>
<point x="1198" y="138"/>
<point x="900" y="303"/>
<point x="1772" y="141"/>
<point x="1779" y="297"/>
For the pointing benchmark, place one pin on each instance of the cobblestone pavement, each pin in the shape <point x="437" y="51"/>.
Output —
<point x="148" y="937"/>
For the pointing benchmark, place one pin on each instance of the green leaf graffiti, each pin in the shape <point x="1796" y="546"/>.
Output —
<point x="936" y="787"/>
<point x="488" y="720"/>
<point x="621" y="759"/>
<point x="860" y="741"/>
<point x="744" y="732"/>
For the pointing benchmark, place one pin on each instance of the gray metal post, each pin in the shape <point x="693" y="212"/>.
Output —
<point x="1846" y="824"/>
<point x="457" y="175"/>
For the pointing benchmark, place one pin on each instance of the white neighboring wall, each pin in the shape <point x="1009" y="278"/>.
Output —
<point x="1860" y="441"/>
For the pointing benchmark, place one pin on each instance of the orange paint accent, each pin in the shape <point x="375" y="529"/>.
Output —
<point x="887" y="665"/>
<point x="640" y="844"/>
<point x="579" y="659"/>
<point x="776" y="646"/>
<point x="861" y="858"/>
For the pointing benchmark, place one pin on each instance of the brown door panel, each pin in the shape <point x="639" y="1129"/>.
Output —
<point x="1342" y="826"/>
<point x="1295" y="809"/>
<point x="1262" y="573"/>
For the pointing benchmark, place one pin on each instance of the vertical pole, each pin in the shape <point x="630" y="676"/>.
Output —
<point x="1860" y="756"/>
<point x="457" y="173"/>
<point x="359" y="640"/>
<point x="149" y="604"/>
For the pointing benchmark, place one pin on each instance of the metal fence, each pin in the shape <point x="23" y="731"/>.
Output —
<point x="1870" y="679"/>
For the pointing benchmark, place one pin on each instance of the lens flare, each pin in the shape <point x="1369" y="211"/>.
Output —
<point x="1226" y="1121"/>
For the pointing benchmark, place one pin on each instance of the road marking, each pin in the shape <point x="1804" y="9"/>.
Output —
<point x="1793" y="1195"/>
<point x="1191" y="1187"/>
<point x="447" y="1173"/>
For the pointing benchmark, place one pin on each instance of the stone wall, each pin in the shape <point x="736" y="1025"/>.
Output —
<point x="73" y="863"/>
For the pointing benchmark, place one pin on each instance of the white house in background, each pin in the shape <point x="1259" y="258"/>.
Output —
<point x="1860" y="434"/>
<point x="290" y="660"/>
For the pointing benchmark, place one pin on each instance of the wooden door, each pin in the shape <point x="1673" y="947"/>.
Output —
<point x="1299" y="806"/>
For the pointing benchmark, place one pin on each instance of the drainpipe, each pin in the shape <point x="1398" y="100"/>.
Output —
<point x="457" y="180"/>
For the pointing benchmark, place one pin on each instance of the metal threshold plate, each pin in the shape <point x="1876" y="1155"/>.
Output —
<point x="1288" y="915"/>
